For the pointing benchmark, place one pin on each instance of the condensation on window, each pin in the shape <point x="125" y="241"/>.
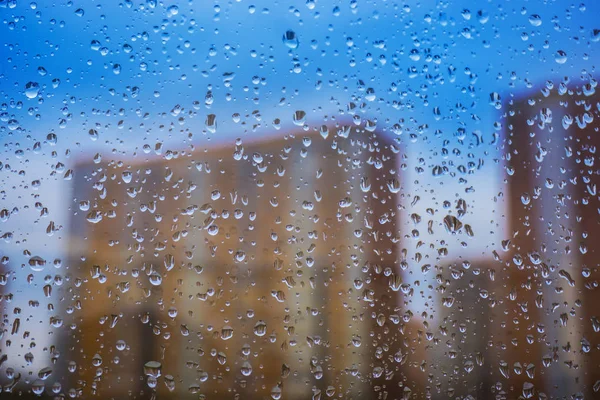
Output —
<point x="299" y="199"/>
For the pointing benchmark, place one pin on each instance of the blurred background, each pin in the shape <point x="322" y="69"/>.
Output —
<point x="299" y="199"/>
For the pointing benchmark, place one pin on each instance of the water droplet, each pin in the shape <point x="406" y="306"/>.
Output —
<point x="393" y="185"/>
<point x="260" y="328"/>
<point x="38" y="386"/>
<point x="226" y="332"/>
<point x="37" y="263"/>
<point x="94" y="216"/>
<point x="452" y="224"/>
<point x="152" y="369"/>
<point x="560" y="57"/>
<point x="290" y="39"/>
<point x="276" y="392"/>
<point x="535" y="20"/>
<point x="32" y="89"/>
<point x="172" y="10"/>
<point x="246" y="369"/>
<point x="211" y="123"/>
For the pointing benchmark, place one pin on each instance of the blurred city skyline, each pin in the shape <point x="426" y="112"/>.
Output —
<point x="481" y="102"/>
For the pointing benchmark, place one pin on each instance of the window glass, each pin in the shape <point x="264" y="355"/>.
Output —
<point x="299" y="199"/>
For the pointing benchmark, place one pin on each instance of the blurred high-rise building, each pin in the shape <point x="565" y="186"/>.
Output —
<point x="240" y="271"/>
<point x="460" y="352"/>
<point x="550" y="263"/>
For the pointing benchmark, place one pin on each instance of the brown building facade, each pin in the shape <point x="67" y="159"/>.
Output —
<point x="245" y="270"/>
<point x="551" y="264"/>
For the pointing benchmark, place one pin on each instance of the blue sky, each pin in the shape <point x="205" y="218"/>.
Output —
<point x="169" y="60"/>
<point x="401" y="59"/>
